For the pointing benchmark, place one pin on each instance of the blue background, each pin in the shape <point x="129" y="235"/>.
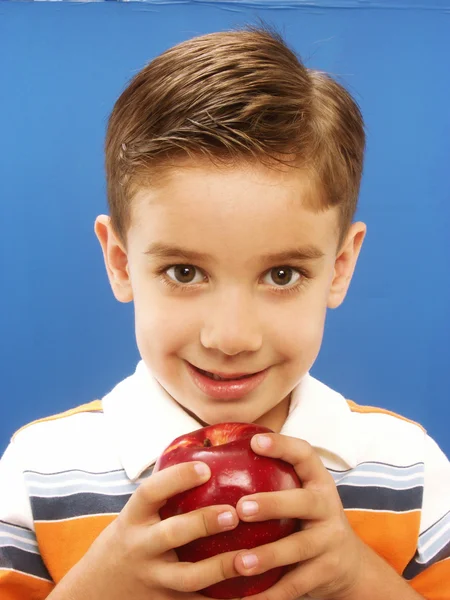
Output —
<point x="64" y="338"/>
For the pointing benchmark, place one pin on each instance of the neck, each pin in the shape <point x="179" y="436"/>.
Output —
<point x="277" y="416"/>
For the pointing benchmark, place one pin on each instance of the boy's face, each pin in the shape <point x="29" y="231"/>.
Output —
<point x="236" y="309"/>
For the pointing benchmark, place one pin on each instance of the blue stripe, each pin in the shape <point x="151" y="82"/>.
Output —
<point x="443" y="538"/>
<point x="49" y="485"/>
<point x="9" y="541"/>
<point x="76" y="505"/>
<point x="9" y="528"/>
<point x="382" y="475"/>
<point x="25" y="562"/>
<point x="9" y="534"/>
<point x="428" y="533"/>
<point x="82" y="487"/>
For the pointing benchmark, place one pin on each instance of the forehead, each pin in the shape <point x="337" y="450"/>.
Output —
<point x="249" y="205"/>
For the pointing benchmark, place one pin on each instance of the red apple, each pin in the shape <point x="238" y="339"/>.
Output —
<point x="236" y="471"/>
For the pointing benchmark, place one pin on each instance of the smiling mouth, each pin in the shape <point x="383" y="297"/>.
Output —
<point x="226" y="386"/>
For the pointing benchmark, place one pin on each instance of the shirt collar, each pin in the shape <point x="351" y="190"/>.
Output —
<point x="143" y="419"/>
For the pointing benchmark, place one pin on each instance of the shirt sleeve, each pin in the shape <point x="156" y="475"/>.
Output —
<point x="429" y="571"/>
<point x="23" y="574"/>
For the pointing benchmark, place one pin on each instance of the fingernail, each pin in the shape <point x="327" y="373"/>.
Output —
<point x="249" y="507"/>
<point x="226" y="519"/>
<point x="202" y="469"/>
<point x="263" y="441"/>
<point x="249" y="560"/>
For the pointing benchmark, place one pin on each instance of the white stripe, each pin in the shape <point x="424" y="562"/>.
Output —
<point x="391" y="512"/>
<point x="101" y="484"/>
<point x="33" y="477"/>
<point x="77" y="518"/>
<point x="381" y="483"/>
<point x="63" y="493"/>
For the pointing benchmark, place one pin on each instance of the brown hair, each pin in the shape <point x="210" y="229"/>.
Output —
<point x="231" y="96"/>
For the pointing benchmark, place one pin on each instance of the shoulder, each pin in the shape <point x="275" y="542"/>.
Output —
<point x="91" y="407"/>
<point x="374" y="413"/>
<point x="74" y="439"/>
<point x="386" y="437"/>
<point x="398" y="453"/>
<point x="82" y="421"/>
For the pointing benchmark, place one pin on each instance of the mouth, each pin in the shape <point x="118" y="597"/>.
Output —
<point x="231" y="386"/>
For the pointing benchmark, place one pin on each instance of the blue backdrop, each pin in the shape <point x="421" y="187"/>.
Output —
<point x="65" y="340"/>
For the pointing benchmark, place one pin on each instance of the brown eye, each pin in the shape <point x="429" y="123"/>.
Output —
<point x="183" y="273"/>
<point x="283" y="276"/>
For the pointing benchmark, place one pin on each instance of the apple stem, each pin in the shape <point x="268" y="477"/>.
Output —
<point x="207" y="443"/>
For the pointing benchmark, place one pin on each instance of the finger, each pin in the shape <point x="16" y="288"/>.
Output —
<point x="182" y="529"/>
<point x="298" y="547"/>
<point x="191" y="577"/>
<point x="299" y="453"/>
<point x="298" y="582"/>
<point x="286" y="504"/>
<point x="154" y="491"/>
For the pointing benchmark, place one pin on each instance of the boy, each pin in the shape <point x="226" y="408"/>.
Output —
<point x="233" y="175"/>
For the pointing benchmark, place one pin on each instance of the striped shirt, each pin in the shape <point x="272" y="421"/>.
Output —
<point x="63" y="479"/>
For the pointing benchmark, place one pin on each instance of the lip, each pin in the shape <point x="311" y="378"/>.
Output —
<point x="226" y="390"/>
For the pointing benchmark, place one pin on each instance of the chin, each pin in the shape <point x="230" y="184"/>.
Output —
<point x="213" y="416"/>
<point x="226" y="416"/>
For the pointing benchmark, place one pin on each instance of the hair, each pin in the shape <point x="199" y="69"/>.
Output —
<point x="234" y="96"/>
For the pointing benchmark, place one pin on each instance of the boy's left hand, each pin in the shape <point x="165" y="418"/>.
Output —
<point x="328" y="551"/>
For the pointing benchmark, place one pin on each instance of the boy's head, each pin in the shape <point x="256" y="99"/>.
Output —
<point x="233" y="175"/>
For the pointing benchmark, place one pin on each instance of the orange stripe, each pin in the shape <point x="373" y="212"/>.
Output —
<point x="18" y="586"/>
<point x="382" y="531"/>
<point x="75" y="536"/>
<point x="374" y="409"/>
<point x="392" y="535"/>
<point x="94" y="406"/>
<point x="434" y="582"/>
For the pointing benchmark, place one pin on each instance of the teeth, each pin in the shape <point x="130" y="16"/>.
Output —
<point x="218" y="378"/>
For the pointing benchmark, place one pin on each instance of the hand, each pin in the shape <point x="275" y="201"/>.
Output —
<point x="326" y="554"/>
<point x="134" y="557"/>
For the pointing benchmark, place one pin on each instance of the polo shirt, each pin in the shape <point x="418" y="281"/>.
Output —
<point x="64" y="478"/>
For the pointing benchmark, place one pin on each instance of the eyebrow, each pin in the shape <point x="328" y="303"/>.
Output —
<point x="160" y="250"/>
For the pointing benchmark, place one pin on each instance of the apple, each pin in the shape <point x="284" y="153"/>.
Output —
<point x="236" y="471"/>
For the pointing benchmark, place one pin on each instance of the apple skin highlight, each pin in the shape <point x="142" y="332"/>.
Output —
<point x="236" y="471"/>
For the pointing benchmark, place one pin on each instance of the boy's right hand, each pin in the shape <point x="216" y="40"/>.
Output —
<point x="134" y="557"/>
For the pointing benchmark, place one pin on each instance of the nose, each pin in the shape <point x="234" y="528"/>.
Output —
<point x="231" y="325"/>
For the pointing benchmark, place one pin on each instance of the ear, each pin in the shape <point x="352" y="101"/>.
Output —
<point x="345" y="264"/>
<point x="116" y="260"/>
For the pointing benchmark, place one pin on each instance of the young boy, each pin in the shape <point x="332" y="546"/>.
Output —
<point x="233" y="175"/>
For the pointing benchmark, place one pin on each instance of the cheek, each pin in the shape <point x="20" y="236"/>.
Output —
<point x="162" y="329"/>
<point x="298" y="335"/>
